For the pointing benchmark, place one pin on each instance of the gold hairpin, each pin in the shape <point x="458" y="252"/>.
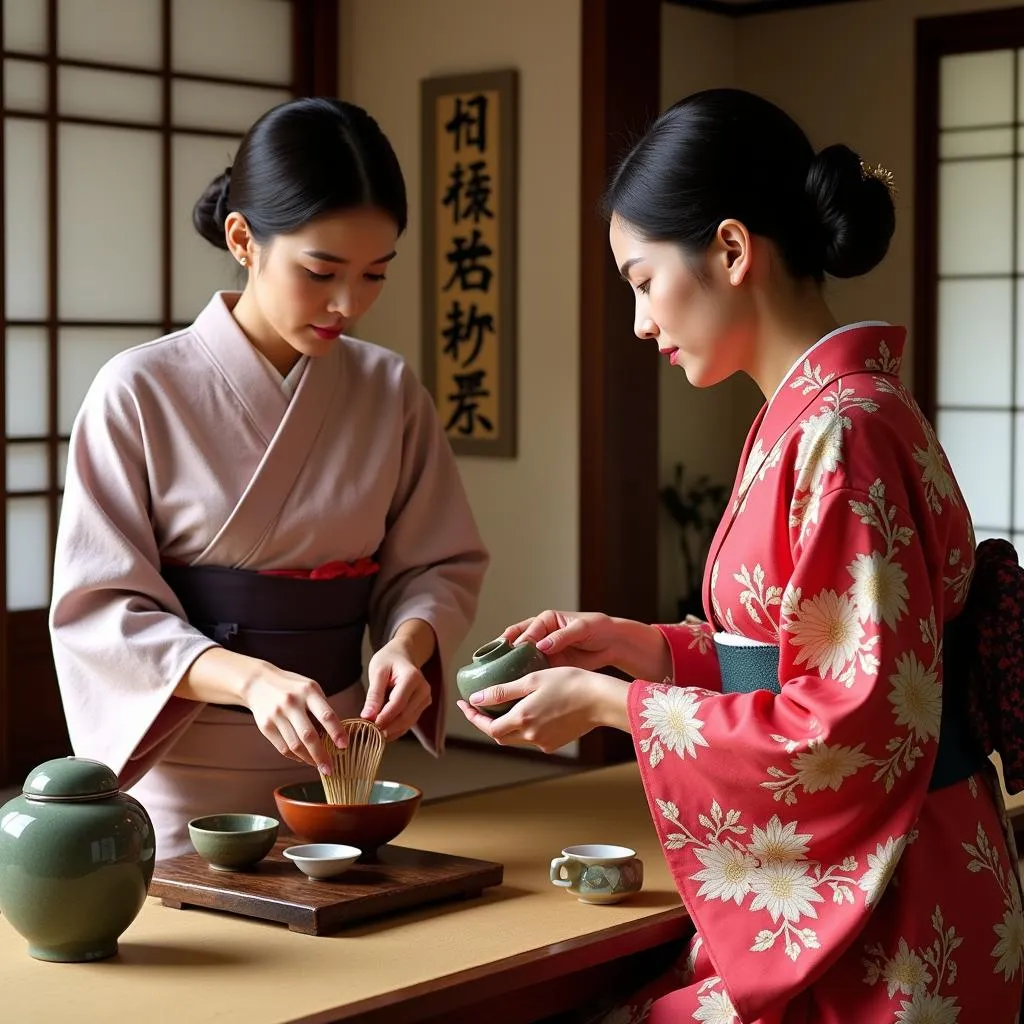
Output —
<point x="880" y="173"/>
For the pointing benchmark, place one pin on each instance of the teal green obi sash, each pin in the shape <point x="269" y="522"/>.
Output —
<point x="752" y="667"/>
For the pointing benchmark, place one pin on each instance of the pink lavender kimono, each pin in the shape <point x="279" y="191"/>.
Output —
<point x="829" y="882"/>
<point x="190" y="449"/>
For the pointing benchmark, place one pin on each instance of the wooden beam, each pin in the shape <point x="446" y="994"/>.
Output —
<point x="749" y="8"/>
<point x="34" y="702"/>
<point x="315" y="47"/>
<point x="618" y="551"/>
<point x="5" y="714"/>
<point x="926" y="222"/>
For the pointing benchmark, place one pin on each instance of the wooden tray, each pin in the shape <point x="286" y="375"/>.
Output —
<point x="275" y="890"/>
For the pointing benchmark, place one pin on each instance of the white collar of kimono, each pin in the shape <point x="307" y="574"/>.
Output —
<point x="225" y="301"/>
<point x="821" y="341"/>
<point x="291" y="380"/>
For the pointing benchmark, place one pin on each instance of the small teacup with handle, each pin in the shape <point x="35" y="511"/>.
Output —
<point x="598" y="873"/>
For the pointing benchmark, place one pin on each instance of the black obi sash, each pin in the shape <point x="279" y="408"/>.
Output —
<point x="313" y="627"/>
<point x="748" y="668"/>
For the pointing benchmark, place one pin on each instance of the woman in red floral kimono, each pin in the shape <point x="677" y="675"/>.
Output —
<point x="841" y="852"/>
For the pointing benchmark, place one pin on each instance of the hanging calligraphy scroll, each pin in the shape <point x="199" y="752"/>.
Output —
<point x="469" y="258"/>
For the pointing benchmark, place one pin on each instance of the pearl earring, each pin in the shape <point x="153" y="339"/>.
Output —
<point x="244" y="261"/>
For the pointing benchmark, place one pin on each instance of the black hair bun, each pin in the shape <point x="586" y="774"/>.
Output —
<point x="854" y="212"/>
<point x="212" y="209"/>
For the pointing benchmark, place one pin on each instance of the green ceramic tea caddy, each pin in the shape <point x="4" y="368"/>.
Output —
<point x="498" y="662"/>
<point x="76" y="860"/>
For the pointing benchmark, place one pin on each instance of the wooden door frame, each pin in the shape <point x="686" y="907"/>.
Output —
<point x="620" y="94"/>
<point x="935" y="38"/>
<point x="315" y="44"/>
<point x="5" y="719"/>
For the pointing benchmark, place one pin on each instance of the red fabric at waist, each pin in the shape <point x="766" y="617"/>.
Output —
<point x="328" y="571"/>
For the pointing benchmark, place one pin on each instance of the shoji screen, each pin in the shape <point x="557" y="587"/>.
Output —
<point x="115" y="115"/>
<point x="969" y="314"/>
<point x="980" y="379"/>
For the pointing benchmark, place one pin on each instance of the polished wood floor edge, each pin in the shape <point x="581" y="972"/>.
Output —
<point x="494" y="981"/>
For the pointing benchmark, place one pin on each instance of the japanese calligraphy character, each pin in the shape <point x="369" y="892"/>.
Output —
<point x="469" y="199"/>
<point x="467" y="409"/>
<point x="471" y="275"/>
<point x="466" y="328"/>
<point x="469" y="123"/>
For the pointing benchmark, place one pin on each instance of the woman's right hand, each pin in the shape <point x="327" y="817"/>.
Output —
<point x="286" y="707"/>
<point x="583" y="640"/>
<point x="592" y="640"/>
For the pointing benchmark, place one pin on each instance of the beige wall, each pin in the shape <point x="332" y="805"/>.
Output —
<point x="698" y="51"/>
<point x="527" y="508"/>
<point x="846" y="74"/>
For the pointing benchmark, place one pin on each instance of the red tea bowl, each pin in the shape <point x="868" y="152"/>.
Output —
<point x="306" y="813"/>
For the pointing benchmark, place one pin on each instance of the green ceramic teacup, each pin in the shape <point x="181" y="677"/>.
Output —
<point x="233" y="842"/>
<point x="498" y="662"/>
<point x="598" y="873"/>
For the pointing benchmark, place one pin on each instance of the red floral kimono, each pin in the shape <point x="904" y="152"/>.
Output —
<point x="826" y="881"/>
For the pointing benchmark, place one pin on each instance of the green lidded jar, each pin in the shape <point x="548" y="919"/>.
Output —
<point x="76" y="859"/>
<point x="498" y="662"/>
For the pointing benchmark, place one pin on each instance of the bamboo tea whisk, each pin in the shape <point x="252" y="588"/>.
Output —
<point x="354" y="767"/>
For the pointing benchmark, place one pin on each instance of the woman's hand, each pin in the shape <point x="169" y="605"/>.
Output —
<point x="556" y="706"/>
<point x="591" y="640"/>
<point x="286" y="707"/>
<point x="398" y="693"/>
<point x="577" y="639"/>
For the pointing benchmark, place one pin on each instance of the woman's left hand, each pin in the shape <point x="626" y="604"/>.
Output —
<point x="397" y="693"/>
<point x="556" y="706"/>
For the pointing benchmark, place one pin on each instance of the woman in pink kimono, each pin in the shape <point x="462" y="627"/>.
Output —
<point x="245" y="496"/>
<point x="837" y="840"/>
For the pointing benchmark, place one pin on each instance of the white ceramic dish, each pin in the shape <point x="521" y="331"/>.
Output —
<point x="322" y="860"/>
